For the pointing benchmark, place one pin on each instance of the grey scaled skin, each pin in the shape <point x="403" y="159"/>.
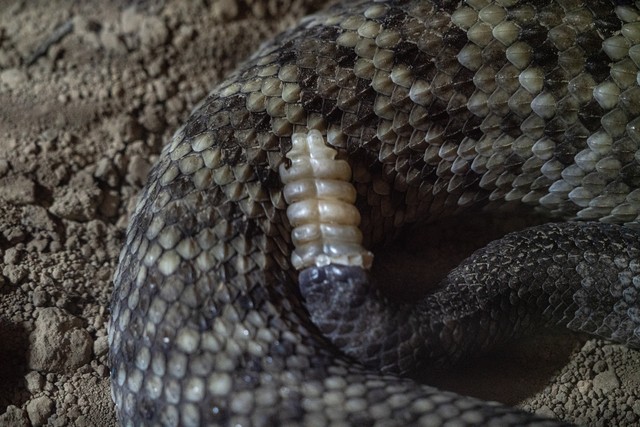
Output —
<point x="583" y="276"/>
<point x="439" y="107"/>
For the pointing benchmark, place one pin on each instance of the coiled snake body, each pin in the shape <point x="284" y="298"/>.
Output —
<point x="439" y="107"/>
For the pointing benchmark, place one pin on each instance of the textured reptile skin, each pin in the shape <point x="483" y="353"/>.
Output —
<point x="439" y="107"/>
<point x="576" y="275"/>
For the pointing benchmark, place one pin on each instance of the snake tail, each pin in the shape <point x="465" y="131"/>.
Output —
<point x="583" y="276"/>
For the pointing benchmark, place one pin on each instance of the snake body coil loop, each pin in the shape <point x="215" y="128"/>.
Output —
<point x="430" y="108"/>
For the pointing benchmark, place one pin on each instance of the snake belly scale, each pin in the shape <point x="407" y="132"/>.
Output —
<point x="438" y="107"/>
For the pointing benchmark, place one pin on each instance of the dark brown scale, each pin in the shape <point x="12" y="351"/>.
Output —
<point x="471" y="127"/>
<point x="394" y="19"/>
<point x="545" y="56"/>
<point x="630" y="174"/>
<point x="455" y="38"/>
<point x="589" y="114"/>
<point x="532" y="33"/>
<point x="606" y="22"/>
<point x="624" y="149"/>
<point x="565" y="152"/>
<point x="597" y="66"/>
<point x="590" y="41"/>
<point x="510" y="125"/>
<point x="555" y="128"/>
<point x="576" y="136"/>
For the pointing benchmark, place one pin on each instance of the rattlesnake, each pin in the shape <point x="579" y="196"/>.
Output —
<point x="438" y="107"/>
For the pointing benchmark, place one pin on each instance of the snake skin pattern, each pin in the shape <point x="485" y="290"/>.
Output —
<point x="439" y="107"/>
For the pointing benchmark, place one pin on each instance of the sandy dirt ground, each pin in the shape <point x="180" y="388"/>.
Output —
<point x="89" y="91"/>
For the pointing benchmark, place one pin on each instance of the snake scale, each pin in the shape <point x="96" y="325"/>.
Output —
<point x="439" y="107"/>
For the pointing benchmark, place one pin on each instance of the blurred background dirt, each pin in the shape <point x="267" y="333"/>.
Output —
<point x="89" y="91"/>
